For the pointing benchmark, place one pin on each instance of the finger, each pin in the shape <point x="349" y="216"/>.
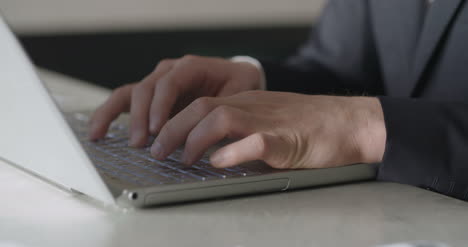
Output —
<point x="223" y="122"/>
<point x="175" y="131"/>
<point x="139" y="108"/>
<point x="259" y="146"/>
<point x="169" y="90"/>
<point x="117" y="103"/>
<point x="142" y="95"/>
<point x="165" y="97"/>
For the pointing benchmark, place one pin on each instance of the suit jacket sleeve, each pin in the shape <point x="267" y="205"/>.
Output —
<point x="339" y="56"/>
<point x="427" y="145"/>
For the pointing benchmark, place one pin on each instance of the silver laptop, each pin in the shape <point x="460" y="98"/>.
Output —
<point x="37" y="137"/>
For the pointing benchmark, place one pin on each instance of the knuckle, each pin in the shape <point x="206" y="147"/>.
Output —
<point x="163" y="63"/>
<point x="203" y="104"/>
<point x="171" y="81"/>
<point x="189" y="58"/>
<point x="223" y="116"/>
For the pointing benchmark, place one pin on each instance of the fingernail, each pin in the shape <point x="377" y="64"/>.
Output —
<point x="156" y="150"/>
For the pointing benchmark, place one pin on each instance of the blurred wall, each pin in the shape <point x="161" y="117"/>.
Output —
<point x="111" y="42"/>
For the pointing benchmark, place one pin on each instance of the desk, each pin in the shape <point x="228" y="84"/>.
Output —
<point x="33" y="213"/>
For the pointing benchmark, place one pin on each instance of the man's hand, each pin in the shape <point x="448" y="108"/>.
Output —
<point x="285" y="130"/>
<point x="173" y="85"/>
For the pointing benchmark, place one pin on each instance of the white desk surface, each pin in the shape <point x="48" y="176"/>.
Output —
<point x="33" y="213"/>
<point x="65" y="16"/>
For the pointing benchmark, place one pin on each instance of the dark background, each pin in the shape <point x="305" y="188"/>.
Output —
<point x="113" y="59"/>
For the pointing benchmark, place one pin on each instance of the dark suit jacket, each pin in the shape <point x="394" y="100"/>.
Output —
<point x="416" y="60"/>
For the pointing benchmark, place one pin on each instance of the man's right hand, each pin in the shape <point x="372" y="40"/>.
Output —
<point x="173" y="85"/>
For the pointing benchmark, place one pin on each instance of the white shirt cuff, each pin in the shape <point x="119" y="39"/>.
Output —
<point x="254" y="62"/>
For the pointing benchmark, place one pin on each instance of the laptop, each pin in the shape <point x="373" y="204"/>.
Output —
<point x="41" y="139"/>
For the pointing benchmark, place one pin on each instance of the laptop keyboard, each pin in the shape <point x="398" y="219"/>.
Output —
<point x="113" y="157"/>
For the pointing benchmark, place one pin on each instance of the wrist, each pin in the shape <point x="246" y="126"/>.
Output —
<point x="370" y="133"/>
